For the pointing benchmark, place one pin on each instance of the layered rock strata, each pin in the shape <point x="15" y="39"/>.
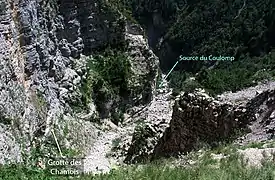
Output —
<point x="43" y="50"/>
<point x="198" y="118"/>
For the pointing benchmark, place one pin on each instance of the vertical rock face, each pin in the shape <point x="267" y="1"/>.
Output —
<point x="12" y="95"/>
<point x="196" y="117"/>
<point x="144" y="65"/>
<point x="155" y="120"/>
<point x="91" y="23"/>
<point x="199" y="118"/>
<point x="42" y="44"/>
<point x="263" y="126"/>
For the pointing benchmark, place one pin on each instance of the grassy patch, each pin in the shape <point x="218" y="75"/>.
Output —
<point x="225" y="149"/>
<point x="206" y="168"/>
<point x="230" y="168"/>
<point x="16" y="172"/>
<point x="258" y="145"/>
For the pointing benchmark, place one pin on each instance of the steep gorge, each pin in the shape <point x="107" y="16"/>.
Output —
<point x="48" y="50"/>
<point x="44" y="50"/>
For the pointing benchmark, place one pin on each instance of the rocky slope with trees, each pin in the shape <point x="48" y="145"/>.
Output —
<point x="82" y="79"/>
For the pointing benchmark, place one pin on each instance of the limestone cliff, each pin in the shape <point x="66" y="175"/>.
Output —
<point x="43" y="50"/>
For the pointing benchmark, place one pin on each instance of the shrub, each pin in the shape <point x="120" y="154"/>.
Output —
<point x="114" y="68"/>
<point x="233" y="76"/>
<point x="106" y="83"/>
<point x="125" y="8"/>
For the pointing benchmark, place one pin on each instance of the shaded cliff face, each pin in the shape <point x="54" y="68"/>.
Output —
<point x="94" y="22"/>
<point x="201" y="28"/>
<point x="226" y="28"/>
<point x="42" y="64"/>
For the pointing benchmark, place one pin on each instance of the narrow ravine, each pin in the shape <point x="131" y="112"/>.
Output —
<point x="157" y="114"/>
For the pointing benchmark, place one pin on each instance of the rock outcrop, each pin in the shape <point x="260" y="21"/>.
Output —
<point x="263" y="126"/>
<point x="144" y="67"/>
<point x="255" y="157"/>
<point x="151" y="121"/>
<point x="198" y="118"/>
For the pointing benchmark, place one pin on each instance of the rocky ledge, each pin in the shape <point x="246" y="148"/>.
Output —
<point x="197" y="118"/>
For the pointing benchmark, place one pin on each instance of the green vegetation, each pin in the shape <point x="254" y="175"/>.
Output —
<point x="137" y="152"/>
<point x="106" y="82"/>
<point x="228" y="76"/>
<point x="18" y="172"/>
<point x="111" y="71"/>
<point x="114" y="68"/>
<point x="40" y="104"/>
<point x="143" y="9"/>
<point x="205" y="167"/>
<point x="194" y="28"/>
<point x="68" y="152"/>
<point x="5" y="120"/>
<point x="242" y="29"/>
<point x="225" y="149"/>
<point x="259" y="145"/>
<point x="237" y="75"/>
<point x="41" y="99"/>
<point x="183" y="82"/>
<point x="219" y="28"/>
<point x="123" y="6"/>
